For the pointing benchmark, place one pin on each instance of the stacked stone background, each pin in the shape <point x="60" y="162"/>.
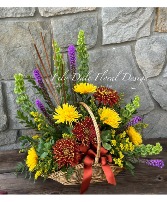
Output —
<point x="127" y="52"/>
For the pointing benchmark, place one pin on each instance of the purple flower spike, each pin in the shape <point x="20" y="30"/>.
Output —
<point x="38" y="78"/>
<point x="40" y="106"/>
<point x="72" y="56"/>
<point x="134" y="121"/>
<point x="158" y="163"/>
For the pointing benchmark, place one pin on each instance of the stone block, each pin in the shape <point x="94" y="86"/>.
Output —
<point x="65" y="29"/>
<point x="17" y="52"/>
<point x="54" y="11"/>
<point x="157" y="124"/>
<point x="3" y="115"/>
<point x="150" y="54"/>
<point x="158" y="89"/>
<point x="13" y="12"/>
<point x="125" y="24"/>
<point x="8" y="137"/>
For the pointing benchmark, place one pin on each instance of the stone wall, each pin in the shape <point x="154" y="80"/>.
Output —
<point x="127" y="48"/>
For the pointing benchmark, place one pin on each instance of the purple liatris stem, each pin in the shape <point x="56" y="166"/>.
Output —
<point x="134" y="120"/>
<point x="42" y="108"/>
<point x="72" y="61"/>
<point x="155" y="162"/>
<point x="38" y="79"/>
<point x="72" y="56"/>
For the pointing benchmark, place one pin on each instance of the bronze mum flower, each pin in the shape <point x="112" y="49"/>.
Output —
<point x="106" y="96"/>
<point x="85" y="132"/>
<point x="66" y="152"/>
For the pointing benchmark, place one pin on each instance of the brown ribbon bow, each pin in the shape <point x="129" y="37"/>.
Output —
<point x="88" y="162"/>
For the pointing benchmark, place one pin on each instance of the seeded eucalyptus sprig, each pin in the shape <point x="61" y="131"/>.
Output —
<point x="83" y="57"/>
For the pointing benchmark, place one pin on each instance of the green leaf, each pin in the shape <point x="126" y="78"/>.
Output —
<point x="69" y="173"/>
<point x="106" y="136"/>
<point x="129" y="165"/>
<point x="126" y="113"/>
<point x="106" y="145"/>
<point x="43" y="155"/>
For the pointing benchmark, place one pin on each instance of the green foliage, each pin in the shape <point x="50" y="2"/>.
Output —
<point x="20" y="90"/>
<point x="130" y="109"/>
<point x="46" y="164"/>
<point x="61" y="81"/>
<point x="146" y="150"/>
<point x="106" y="135"/>
<point x="140" y="126"/>
<point x="25" y="119"/>
<point x="69" y="172"/>
<point x="129" y="166"/>
<point x="19" y="84"/>
<point x="23" y="101"/>
<point x="83" y="57"/>
<point x="34" y="85"/>
<point x="22" y="168"/>
<point x="44" y="148"/>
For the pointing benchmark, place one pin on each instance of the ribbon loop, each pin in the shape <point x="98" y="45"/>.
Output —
<point x="88" y="162"/>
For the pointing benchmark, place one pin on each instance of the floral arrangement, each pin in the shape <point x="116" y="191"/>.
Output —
<point x="64" y="129"/>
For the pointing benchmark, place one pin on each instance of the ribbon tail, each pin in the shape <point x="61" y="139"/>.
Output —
<point x="87" y="175"/>
<point x="109" y="174"/>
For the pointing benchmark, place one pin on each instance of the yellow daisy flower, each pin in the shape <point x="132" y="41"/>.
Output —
<point x="109" y="117"/>
<point x="32" y="159"/>
<point x="66" y="114"/>
<point x="134" y="136"/>
<point x="85" y="88"/>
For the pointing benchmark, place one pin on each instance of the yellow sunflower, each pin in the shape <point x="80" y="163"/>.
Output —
<point x="66" y="114"/>
<point x="134" y="136"/>
<point x="109" y="117"/>
<point x="84" y="88"/>
<point x="32" y="159"/>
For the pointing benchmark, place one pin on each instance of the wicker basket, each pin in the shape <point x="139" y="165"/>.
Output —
<point x="97" y="171"/>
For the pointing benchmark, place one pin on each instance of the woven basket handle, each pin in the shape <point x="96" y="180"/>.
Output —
<point x="96" y="129"/>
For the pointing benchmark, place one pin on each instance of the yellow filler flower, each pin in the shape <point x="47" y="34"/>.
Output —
<point x="109" y="117"/>
<point x="134" y="136"/>
<point x="66" y="114"/>
<point x="37" y="174"/>
<point x="32" y="159"/>
<point x="85" y="88"/>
